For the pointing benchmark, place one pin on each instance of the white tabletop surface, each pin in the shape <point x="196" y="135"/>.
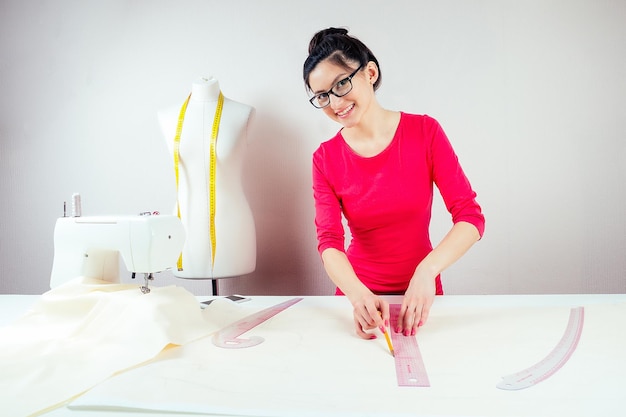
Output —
<point x="457" y="344"/>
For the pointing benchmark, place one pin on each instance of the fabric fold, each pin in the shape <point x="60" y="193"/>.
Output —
<point x="85" y="331"/>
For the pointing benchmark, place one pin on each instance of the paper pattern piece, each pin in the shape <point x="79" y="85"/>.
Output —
<point x="85" y="331"/>
<point x="312" y="364"/>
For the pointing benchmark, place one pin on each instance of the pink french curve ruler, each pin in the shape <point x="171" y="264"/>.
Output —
<point x="228" y="337"/>
<point x="555" y="359"/>
<point x="410" y="369"/>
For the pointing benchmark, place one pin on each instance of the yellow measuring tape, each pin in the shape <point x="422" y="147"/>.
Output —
<point x="212" y="169"/>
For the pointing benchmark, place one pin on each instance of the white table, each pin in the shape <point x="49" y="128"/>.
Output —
<point x="312" y="363"/>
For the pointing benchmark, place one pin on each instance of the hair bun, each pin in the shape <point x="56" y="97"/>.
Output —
<point x="319" y="36"/>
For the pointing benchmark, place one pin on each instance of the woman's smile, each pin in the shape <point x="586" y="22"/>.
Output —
<point x="345" y="112"/>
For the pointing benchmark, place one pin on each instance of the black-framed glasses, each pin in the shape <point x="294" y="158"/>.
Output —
<point x="340" y="89"/>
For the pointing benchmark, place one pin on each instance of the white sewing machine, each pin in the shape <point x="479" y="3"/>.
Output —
<point x="90" y="246"/>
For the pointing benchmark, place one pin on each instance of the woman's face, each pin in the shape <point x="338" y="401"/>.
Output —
<point x="350" y="108"/>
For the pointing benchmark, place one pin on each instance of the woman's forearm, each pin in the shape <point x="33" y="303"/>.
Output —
<point x="453" y="246"/>
<point x="342" y="274"/>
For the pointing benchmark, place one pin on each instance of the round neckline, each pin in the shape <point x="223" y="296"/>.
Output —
<point x="383" y="151"/>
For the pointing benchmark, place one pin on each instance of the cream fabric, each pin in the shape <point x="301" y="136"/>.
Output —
<point x="85" y="331"/>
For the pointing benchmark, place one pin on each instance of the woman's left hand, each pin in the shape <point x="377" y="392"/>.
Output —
<point x="416" y="304"/>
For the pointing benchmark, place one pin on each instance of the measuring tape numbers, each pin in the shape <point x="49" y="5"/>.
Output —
<point x="555" y="359"/>
<point x="211" y="174"/>
<point x="410" y="369"/>
<point x="228" y="337"/>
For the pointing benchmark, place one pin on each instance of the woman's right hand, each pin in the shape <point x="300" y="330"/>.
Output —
<point x="370" y="312"/>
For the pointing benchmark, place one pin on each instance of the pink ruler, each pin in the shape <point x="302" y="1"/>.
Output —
<point x="228" y="337"/>
<point x="410" y="369"/>
<point x="555" y="359"/>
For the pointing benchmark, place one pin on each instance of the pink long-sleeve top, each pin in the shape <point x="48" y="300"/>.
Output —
<point x="386" y="200"/>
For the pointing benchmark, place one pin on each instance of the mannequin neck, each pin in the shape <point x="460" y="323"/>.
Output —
<point x="205" y="89"/>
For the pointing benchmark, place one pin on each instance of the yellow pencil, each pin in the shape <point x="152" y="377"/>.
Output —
<point x="389" y="343"/>
<point x="387" y="338"/>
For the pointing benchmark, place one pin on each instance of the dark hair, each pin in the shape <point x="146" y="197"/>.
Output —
<point x="338" y="47"/>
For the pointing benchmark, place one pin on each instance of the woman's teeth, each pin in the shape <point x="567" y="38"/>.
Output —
<point x="346" y="111"/>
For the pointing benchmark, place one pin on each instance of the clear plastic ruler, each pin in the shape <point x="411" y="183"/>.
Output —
<point x="410" y="369"/>
<point x="555" y="359"/>
<point x="228" y="337"/>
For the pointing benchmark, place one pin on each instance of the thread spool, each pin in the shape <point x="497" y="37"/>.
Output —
<point x="76" y="205"/>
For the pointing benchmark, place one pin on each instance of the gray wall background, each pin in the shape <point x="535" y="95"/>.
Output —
<point x="531" y="93"/>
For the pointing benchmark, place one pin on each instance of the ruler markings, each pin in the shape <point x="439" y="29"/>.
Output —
<point x="410" y="369"/>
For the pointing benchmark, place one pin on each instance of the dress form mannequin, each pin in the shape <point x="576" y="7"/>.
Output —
<point x="235" y="252"/>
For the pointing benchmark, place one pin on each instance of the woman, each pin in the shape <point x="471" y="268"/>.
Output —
<point x="378" y="171"/>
